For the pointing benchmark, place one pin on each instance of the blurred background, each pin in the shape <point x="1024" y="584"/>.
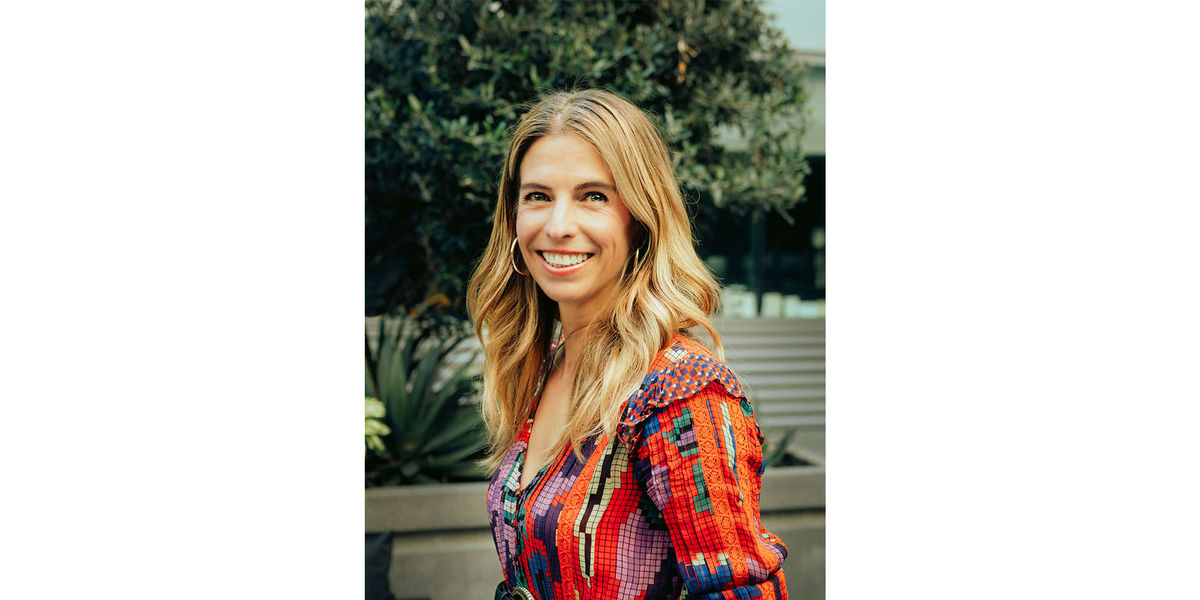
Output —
<point x="736" y="87"/>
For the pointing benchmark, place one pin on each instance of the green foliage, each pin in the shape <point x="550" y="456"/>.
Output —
<point x="446" y="79"/>
<point x="435" y="434"/>
<point x="775" y="452"/>
<point x="374" y="427"/>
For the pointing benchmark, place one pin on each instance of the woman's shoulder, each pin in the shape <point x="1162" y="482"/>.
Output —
<point x="681" y="369"/>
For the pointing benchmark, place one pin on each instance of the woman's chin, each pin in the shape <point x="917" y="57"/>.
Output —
<point x="557" y="294"/>
<point x="564" y="294"/>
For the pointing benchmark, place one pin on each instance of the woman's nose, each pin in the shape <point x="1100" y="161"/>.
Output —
<point x="562" y="221"/>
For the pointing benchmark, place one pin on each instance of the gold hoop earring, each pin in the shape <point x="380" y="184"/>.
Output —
<point x="512" y="257"/>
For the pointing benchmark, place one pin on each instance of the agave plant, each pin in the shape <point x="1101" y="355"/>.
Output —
<point x="775" y="451"/>
<point x="435" y="434"/>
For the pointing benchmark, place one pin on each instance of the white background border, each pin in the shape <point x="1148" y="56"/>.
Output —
<point x="1012" y="325"/>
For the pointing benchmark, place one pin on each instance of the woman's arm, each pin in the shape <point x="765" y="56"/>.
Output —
<point x="700" y="461"/>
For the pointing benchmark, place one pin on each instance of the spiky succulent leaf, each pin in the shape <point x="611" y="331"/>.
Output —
<point x="434" y="435"/>
<point x="463" y="424"/>
<point x="776" y="451"/>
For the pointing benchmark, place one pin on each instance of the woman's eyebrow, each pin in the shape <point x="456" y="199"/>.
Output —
<point x="586" y="185"/>
<point x="595" y="184"/>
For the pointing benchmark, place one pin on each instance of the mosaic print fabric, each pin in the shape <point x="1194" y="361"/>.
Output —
<point x="668" y="509"/>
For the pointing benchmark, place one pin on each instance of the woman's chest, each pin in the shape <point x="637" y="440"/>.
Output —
<point x="579" y="523"/>
<point x="545" y="430"/>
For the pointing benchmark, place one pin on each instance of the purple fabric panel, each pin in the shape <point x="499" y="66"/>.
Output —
<point x="547" y="506"/>
<point x="659" y="486"/>
<point x="502" y="532"/>
<point x="640" y="556"/>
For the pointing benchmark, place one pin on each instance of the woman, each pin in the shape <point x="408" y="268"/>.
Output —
<point x="627" y="462"/>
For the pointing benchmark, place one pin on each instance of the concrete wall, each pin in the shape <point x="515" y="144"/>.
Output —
<point x="443" y="545"/>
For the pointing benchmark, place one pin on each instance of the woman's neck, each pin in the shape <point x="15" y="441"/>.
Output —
<point x="578" y="317"/>
<point x="569" y="347"/>
<point x="574" y="331"/>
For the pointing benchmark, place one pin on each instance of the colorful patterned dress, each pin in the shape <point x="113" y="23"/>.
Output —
<point x="668" y="509"/>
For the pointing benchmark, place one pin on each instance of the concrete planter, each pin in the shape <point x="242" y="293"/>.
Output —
<point x="793" y="507"/>
<point x="442" y="549"/>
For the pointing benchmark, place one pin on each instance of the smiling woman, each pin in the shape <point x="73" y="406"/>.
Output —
<point x="573" y="225"/>
<point x="627" y="462"/>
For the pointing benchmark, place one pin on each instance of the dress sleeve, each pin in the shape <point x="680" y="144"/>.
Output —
<point x="700" y="460"/>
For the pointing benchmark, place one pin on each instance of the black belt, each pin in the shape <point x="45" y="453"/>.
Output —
<point x="517" y="593"/>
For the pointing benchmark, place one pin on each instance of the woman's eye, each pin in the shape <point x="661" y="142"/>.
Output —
<point x="596" y="197"/>
<point x="536" y="197"/>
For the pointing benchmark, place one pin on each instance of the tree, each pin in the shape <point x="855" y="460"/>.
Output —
<point x="446" y="79"/>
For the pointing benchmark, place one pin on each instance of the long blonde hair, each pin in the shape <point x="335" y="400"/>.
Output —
<point x="669" y="290"/>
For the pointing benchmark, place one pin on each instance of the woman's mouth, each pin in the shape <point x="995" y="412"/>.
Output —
<point x="563" y="262"/>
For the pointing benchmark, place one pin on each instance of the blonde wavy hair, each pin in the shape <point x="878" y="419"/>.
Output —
<point x="667" y="292"/>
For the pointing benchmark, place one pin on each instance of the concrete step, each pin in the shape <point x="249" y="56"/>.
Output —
<point x="736" y="337"/>
<point x="736" y="325"/>
<point x="786" y="395"/>
<point x="784" y="421"/>
<point x="763" y="380"/>
<point x="782" y="353"/>
<point x="782" y="363"/>
<point x="754" y="368"/>
<point x="781" y="349"/>
<point x="806" y="415"/>
<point x="792" y="408"/>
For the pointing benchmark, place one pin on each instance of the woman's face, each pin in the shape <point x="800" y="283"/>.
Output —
<point x="573" y="229"/>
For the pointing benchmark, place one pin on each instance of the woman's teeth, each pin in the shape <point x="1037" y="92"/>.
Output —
<point x="564" y="260"/>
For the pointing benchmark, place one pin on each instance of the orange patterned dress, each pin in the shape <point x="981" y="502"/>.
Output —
<point x="667" y="509"/>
